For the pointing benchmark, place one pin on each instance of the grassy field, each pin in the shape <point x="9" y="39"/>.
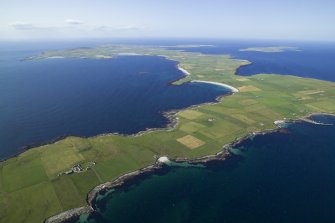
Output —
<point x="31" y="190"/>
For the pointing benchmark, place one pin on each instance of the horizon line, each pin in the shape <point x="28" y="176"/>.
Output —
<point x="162" y="38"/>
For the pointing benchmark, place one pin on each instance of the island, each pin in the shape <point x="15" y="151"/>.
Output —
<point x="271" y="49"/>
<point x="33" y="186"/>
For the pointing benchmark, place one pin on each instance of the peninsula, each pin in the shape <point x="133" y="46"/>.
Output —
<point x="33" y="188"/>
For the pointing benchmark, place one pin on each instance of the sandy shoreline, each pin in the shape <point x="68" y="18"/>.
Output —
<point x="183" y="70"/>
<point x="235" y="90"/>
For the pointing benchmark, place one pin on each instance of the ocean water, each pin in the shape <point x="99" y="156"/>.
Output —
<point x="45" y="99"/>
<point x="313" y="60"/>
<point x="287" y="176"/>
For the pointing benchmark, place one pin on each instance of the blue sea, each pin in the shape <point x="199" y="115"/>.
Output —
<point x="311" y="60"/>
<point x="286" y="176"/>
<point x="42" y="100"/>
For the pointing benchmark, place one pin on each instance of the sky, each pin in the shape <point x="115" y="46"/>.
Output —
<point x="243" y="19"/>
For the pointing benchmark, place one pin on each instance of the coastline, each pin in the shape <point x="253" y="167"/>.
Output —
<point x="158" y="166"/>
<point x="172" y="123"/>
<point x="35" y="145"/>
<point x="171" y="115"/>
<point x="74" y="214"/>
<point x="233" y="89"/>
<point x="238" y="69"/>
<point x="183" y="70"/>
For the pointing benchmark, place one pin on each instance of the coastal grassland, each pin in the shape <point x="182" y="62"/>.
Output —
<point x="31" y="189"/>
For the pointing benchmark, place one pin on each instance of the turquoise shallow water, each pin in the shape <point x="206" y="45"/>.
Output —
<point x="287" y="176"/>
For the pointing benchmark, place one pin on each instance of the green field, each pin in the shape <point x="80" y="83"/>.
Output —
<point x="31" y="190"/>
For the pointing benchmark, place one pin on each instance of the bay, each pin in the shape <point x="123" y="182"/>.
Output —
<point x="42" y="100"/>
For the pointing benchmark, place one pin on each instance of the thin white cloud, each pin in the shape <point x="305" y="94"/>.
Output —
<point x="66" y="30"/>
<point x="23" y="26"/>
<point x="128" y="28"/>
<point x="116" y="28"/>
<point x="74" y="22"/>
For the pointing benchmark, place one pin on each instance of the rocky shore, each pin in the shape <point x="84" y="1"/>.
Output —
<point x="74" y="214"/>
<point x="69" y="215"/>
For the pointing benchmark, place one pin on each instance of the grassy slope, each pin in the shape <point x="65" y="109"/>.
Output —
<point x="30" y="189"/>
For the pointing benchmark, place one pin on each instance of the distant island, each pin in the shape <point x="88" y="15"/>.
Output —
<point x="189" y="46"/>
<point x="51" y="175"/>
<point x="271" y="49"/>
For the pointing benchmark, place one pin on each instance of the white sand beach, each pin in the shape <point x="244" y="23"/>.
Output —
<point x="235" y="90"/>
<point x="183" y="70"/>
